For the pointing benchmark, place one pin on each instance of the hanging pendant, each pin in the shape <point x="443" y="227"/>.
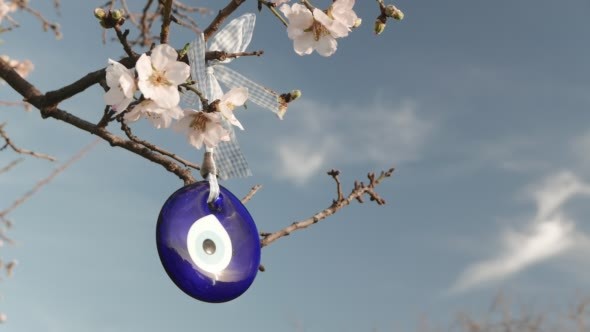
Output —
<point x="210" y="251"/>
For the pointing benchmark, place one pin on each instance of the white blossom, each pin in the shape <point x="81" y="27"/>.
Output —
<point x="202" y="128"/>
<point x="160" y="117"/>
<point x="23" y="68"/>
<point x="229" y="101"/>
<point x="122" y="86"/>
<point x="341" y="10"/>
<point x="6" y="8"/>
<point x="160" y="74"/>
<point x="313" y="30"/>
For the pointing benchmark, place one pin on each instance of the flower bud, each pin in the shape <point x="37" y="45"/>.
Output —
<point x="357" y="23"/>
<point x="100" y="13"/>
<point x="389" y="10"/>
<point x="117" y="14"/>
<point x="393" y="12"/>
<point x="379" y="27"/>
<point x="295" y="94"/>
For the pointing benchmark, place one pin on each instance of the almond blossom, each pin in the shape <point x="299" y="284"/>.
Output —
<point x="341" y="10"/>
<point x="122" y="87"/>
<point x="6" y="9"/>
<point x="159" y="116"/>
<point x="160" y="74"/>
<point x="313" y="30"/>
<point x="202" y="128"/>
<point x="229" y="101"/>
<point x="23" y="68"/>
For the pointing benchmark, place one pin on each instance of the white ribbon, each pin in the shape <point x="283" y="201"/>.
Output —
<point x="233" y="38"/>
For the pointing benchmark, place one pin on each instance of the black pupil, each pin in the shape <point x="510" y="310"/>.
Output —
<point x="209" y="246"/>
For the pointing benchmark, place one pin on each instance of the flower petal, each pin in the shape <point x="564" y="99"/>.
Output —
<point x="163" y="55"/>
<point x="300" y="17"/>
<point x="234" y="121"/>
<point x="304" y="44"/>
<point x="127" y="84"/>
<point x="164" y="96"/>
<point x="177" y="72"/>
<point x="326" y="46"/>
<point x="236" y="96"/>
<point x="143" y="66"/>
<point x="196" y="139"/>
<point x="120" y="107"/>
<point x="133" y="115"/>
<point x="113" y="96"/>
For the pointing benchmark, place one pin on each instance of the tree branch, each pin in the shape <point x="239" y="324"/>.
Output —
<point x="166" y="12"/>
<point x="16" y="149"/>
<point x="46" y="180"/>
<point x="251" y="194"/>
<point x="359" y="190"/>
<point x="37" y="99"/>
<point x="221" y="16"/>
<point x="151" y="146"/>
<point x="222" y="55"/>
<point x="10" y="165"/>
<point x="68" y="91"/>
<point x="122" y="36"/>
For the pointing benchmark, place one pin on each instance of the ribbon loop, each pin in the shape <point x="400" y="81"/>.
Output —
<point x="233" y="38"/>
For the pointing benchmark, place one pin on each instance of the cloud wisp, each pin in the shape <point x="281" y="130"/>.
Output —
<point x="347" y="134"/>
<point x="550" y="233"/>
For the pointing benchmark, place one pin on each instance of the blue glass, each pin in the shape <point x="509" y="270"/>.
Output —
<point x="210" y="251"/>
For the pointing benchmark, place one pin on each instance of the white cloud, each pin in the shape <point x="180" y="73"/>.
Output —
<point x="549" y="234"/>
<point x="330" y="135"/>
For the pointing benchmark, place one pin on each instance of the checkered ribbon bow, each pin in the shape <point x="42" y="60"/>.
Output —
<point x="233" y="38"/>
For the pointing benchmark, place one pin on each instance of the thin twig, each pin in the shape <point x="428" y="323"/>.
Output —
<point x="128" y="12"/>
<point x="10" y="165"/>
<point x="122" y="36"/>
<point x="251" y="193"/>
<point x="16" y="149"/>
<point x="204" y="101"/>
<point x="46" y="24"/>
<point x="145" y="31"/>
<point x="272" y="7"/>
<point x="46" y="180"/>
<point x="37" y="99"/>
<point x="358" y="191"/>
<point x="334" y="174"/>
<point x="221" y="16"/>
<point x="222" y="55"/>
<point x="152" y="147"/>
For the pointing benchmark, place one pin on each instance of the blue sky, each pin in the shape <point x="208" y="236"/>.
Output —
<point x="480" y="106"/>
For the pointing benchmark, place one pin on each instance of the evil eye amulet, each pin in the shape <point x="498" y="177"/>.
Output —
<point x="210" y="251"/>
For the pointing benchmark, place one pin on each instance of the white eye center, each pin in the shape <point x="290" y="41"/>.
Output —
<point x="209" y="245"/>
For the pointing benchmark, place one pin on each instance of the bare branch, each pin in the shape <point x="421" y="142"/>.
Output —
<point x="166" y="12"/>
<point x="221" y="55"/>
<point x="10" y="165"/>
<point x="46" y="180"/>
<point x="46" y="24"/>
<point x="122" y="36"/>
<point x="152" y="147"/>
<point x="334" y="174"/>
<point x="251" y="194"/>
<point x="358" y="191"/>
<point x="221" y="16"/>
<point x="37" y="99"/>
<point x="16" y="149"/>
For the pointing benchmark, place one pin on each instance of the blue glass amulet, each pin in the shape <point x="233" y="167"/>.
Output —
<point x="210" y="251"/>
